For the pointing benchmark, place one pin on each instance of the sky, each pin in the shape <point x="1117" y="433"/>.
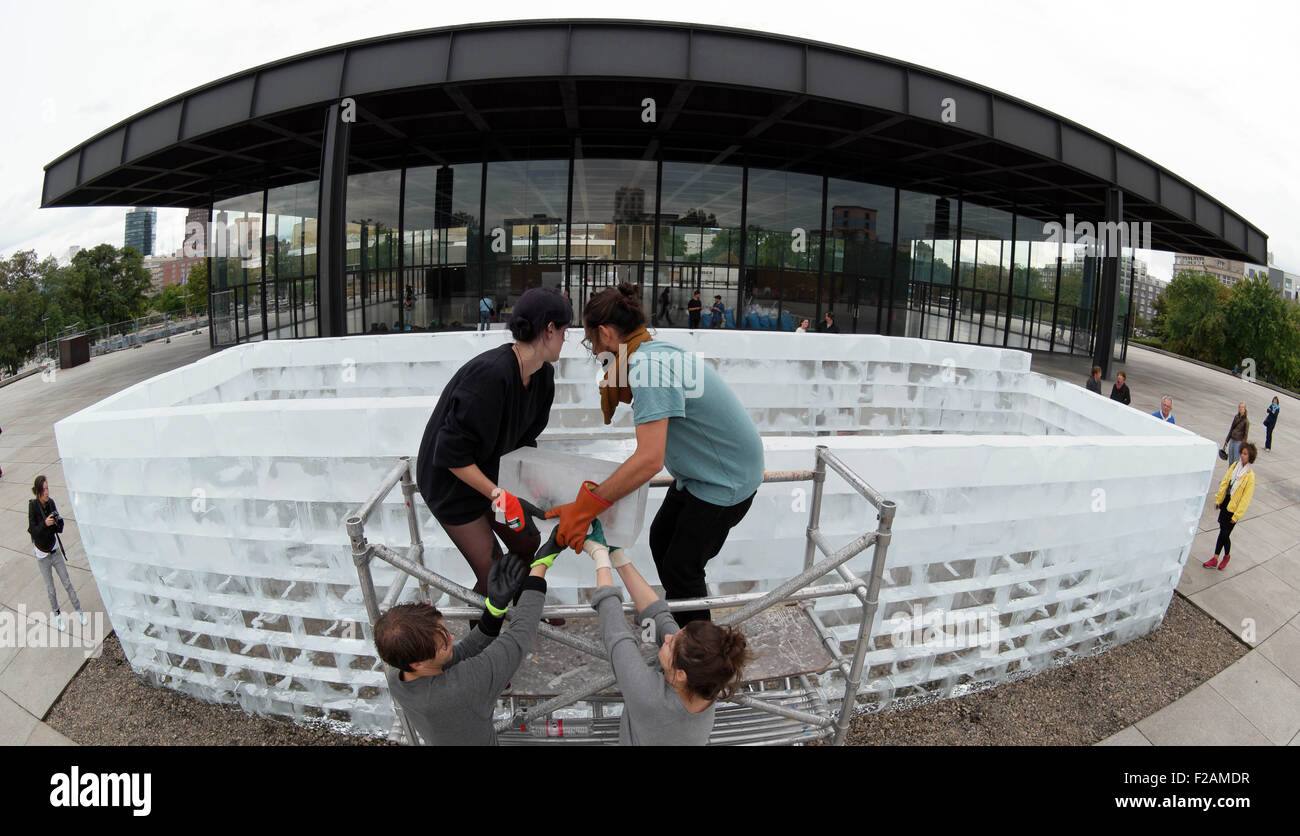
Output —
<point x="1206" y="90"/>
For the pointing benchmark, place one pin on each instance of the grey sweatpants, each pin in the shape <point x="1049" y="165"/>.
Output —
<point x="54" y="560"/>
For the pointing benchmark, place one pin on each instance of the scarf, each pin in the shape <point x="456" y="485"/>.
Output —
<point x="1237" y="472"/>
<point x="614" y="391"/>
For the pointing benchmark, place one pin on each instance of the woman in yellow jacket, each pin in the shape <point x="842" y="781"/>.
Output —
<point x="1232" y="500"/>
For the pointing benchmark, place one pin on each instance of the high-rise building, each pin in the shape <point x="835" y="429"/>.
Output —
<point x="196" y="227"/>
<point x="1146" y="289"/>
<point x="141" y="227"/>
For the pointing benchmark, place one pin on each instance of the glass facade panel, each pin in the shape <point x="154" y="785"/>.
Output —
<point x="926" y="249"/>
<point x="783" y="249"/>
<point x="235" y="244"/>
<point x="291" y="260"/>
<point x="370" y="266"/>
<point x="612" y="237"/>
<point x="442" y="247"/>
<point x="700" y="232"/>
<point x="859" y="226"/>
<point x="525" y="228"/>
<point x="983" y="275"/>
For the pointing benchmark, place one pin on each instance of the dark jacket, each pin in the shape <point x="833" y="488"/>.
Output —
<point x="1120" y="393"/>
<point x="1094" y="385"/>
<point x="42" y="534"/>
<point x="483" y="413"/>
<point x="1240" y="428"/>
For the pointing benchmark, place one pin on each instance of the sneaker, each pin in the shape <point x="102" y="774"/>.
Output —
<point x="1212" y="563"/>
<point x="1224" y="564"/>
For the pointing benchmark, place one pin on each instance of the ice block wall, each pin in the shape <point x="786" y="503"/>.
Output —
<point x="211" y="501"/>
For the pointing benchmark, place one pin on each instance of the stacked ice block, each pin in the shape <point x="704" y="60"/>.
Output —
<point x="211" y="501"/>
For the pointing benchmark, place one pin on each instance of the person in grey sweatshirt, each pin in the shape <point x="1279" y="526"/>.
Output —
<point x="447" y="689"/>
<point x="672" y="701"/>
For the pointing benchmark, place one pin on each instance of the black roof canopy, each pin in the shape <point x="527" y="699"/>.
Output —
<point x="536" y="89"/>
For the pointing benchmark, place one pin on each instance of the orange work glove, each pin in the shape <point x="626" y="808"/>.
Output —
<point x="576" y="517"/>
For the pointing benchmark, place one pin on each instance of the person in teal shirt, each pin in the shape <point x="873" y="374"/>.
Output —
<point x="687" y="420"/>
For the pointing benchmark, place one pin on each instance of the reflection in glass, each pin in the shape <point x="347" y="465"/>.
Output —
<point x="699" y="244"/>
<point x="860" y="234"/>
<point x="442" y="247"/>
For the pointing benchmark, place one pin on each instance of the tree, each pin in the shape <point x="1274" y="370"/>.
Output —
<point x="1190" y="319"/>
<point x="1261" y="326"/>
<point x="103" y="285"/>
<point x="171" y="300"/>
<point x="196" y="286"/>
<point x="22" y="305"/>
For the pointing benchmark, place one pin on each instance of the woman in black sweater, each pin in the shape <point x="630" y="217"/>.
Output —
<point x="496" y="403"/>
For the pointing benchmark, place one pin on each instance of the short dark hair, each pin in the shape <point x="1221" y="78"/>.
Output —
<point x="410" y="633"/>
<point x="1096" y="369"/>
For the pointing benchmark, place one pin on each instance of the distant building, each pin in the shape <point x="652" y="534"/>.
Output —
<point x="141" y="229"/>
<point x="855" y="222"/>
<point x="71" y="254"/>
<point x="165" y="271"/>
<point x="1146" y="289"/>
<point x="196" y="224"/>
<point x="1226" y="271"/>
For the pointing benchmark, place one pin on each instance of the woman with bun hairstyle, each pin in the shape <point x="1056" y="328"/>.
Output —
<point x="688" y="420"/>
<point x="497" y="402"/>
<point x="672" y="701"/>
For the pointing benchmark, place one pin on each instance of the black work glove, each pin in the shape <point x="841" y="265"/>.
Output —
<point x="504" y="580"/>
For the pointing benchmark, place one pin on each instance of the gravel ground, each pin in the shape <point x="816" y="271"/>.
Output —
<point x="1076" y="705"/>
<point x="105" y="704"/>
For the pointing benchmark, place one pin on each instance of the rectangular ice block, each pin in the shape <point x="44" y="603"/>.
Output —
<point x="548" y="479"/>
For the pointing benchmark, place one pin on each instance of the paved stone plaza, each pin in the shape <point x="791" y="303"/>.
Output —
<point x="1254" y="701"/>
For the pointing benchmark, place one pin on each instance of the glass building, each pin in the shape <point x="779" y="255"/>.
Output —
<point x="390" y="184"/>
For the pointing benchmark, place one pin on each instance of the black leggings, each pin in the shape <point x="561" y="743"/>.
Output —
<point x="1225" y="530"/>
<point x="686" y="534"/>
<point x="477" y="541"/>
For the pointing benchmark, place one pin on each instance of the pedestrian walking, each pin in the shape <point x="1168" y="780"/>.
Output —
<point x="665" y="306"/>
<point x="1094" y="380"/>
<point x="1270" y="423"/>
<point x="693" y="309"/>
<point x="1232" y="500"/>
<point x="1237" y="432"/>
<point x="45" y="525"/>
<point x="1119" y="390"/>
